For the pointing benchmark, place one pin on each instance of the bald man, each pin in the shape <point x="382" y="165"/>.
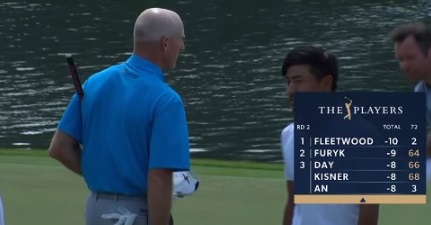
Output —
<point x="129" y="133"/>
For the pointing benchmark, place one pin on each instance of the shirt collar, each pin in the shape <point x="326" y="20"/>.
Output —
<point x="143" y="65"/>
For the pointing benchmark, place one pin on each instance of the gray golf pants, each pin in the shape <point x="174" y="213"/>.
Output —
<point x="99" y="204"/>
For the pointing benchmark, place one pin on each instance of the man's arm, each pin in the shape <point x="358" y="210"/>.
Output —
<point x="67" y="150"/>
<point x="288" y="209"/>
<point x="368" y="214"/>
<point x="159" y="196"/>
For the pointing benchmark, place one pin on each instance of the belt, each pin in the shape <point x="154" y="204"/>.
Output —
<point x="116" y="197"/>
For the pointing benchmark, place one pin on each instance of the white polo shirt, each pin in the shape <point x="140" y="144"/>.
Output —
<point x="1" y="212"/>
<point x="422" y="87"/>
<point x="312" y="214"/>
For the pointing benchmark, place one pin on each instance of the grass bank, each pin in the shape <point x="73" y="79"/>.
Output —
<point x="37" y="190"/>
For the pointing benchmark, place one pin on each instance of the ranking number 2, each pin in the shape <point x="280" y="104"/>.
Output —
<point x="302" y="154"/>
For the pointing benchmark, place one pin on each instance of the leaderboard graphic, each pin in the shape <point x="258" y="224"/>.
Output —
<point x="360" y="147"/>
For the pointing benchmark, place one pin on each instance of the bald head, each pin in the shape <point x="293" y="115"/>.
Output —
<point x="156" y="23"/>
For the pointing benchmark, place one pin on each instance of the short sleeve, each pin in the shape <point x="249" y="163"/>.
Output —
<point x="169" y="146"/>
<point x="287" y="146"/>
<point x="71" y="122"/>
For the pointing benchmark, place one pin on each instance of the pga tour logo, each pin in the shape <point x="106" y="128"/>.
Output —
<point x="350" y="109"/>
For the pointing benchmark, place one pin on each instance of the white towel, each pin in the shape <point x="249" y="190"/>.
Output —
<point x="124" y="217"/>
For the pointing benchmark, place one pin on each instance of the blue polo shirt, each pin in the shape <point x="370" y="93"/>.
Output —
<point x="129" y="121"/>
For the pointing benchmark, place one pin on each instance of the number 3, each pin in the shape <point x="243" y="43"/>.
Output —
<point x="414" y="189"/>
<point x="302" y="166"/>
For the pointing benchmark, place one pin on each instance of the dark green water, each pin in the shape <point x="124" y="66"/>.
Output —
<point x="229" y="75"/>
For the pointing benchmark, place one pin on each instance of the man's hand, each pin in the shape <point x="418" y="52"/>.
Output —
<point x="159" y="196"/>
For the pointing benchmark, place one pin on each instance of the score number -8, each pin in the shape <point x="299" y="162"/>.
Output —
<point x="393" y="188"/>
<point x="412" y="176"/>
<point x="412" y="165"/>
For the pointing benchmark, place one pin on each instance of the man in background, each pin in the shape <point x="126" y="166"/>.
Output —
<point x="312" y="69"/>
<point x="132" y="128"/>
<point x="412" y="43"/>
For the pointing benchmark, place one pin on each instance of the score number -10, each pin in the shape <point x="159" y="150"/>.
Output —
<point x="394" y="141"/>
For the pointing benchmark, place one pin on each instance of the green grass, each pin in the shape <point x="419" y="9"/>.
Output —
<point x="37" y="190"/>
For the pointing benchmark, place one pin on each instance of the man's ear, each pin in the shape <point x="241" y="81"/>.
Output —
<point x="429" y="54"/>
<point x="164" y="43"/>
<point x="327" y="82"/>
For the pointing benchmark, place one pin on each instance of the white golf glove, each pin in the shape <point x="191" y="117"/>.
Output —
<point x="185" y="183"/>
<point x="125" y="217"/>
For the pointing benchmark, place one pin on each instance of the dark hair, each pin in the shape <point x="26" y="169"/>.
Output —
<point x="321" y="62"/>
<point x="419" y="31"/>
